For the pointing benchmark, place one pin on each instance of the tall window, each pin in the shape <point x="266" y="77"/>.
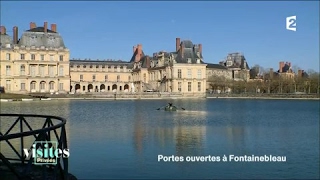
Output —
<point x="51" y="85"/>
<point x="42" y="57"/>
<point x="189" y="73"/>
<point x="33" y="70"/>
<point x="42" y="85"/>
<point x="22" y="56"/>
<point x="179" y="73"/>
<point x="199" y="86"/>
<point x="129" y="78"/>
<point x="33" y="57"/>
<point x="81" y="77"/>
<point x="61" y="86"/>
<point x="8" y="70"/>
<point x="51" y="71"/>
<point x="199" y="74"/>
<point x="22" y="70"/>
<point x="106" y="78"/>
<point x="189" y="86"/>
<point x="179" y="86"/>
<point x="118" y="78"/>
<point x="41" y="70"/>
<point x="8" y="85"/>
<point x="93" y="78"/>
<point x="51" y="58"/>
<point x="33" y="85"/>
<point x="60" y="70"/>
<point x="23" y="86"/>
<point x="144" y="77"/>
<point x="61" y="57"/>
<point x="8" y="56"/>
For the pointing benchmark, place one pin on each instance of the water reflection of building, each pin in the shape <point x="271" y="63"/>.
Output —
<point x="235" y="133"/>
<point x="189" y="140"/>
<point x="139" y="129"/>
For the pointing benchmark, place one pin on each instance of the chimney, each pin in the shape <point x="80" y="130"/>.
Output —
<point x="3" y="30"/>
<point x="200" y="48"/>
<point x="182" y="49"/>
<point x="45" y="27"/>
<point x="32" y="25"/>
<point x="177" y="44"/>
<point x="281" y="65"/>
<point x="134" y="49"/>
<point x="140" y="49"/>
<point x="54" y="27"/>
<point x="15" y="35"/>
<point x="138" y="55"/>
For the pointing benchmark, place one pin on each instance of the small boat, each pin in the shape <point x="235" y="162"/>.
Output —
<point x="170" y="108"/>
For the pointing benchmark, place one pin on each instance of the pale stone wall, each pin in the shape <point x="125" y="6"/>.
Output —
<point x="35" y="70"/>
<point x="100" y="77"/>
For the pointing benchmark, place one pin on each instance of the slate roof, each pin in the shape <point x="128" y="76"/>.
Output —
<point x="37" y="37"/>
<point x="97" y="62"/>
<point x="40" y="29"/>
<point x="238" y="59"/>
<point x="5" y="39"/>
<point x="216" y="66"/>
<point x="304" y="74"/>
<point x="134" y="55"/>
<point x="189" y="51"/>
<point x="285" y="68"/>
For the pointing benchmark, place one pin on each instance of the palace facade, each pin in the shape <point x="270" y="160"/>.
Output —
<point x="39" y="62"/>
<point x="100" y="76"/>
<point x="179" y="71"/>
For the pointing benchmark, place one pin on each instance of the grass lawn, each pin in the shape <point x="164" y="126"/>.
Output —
<point x="13" y="96"/>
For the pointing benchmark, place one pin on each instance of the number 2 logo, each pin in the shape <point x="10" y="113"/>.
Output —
<point x="291" y="23"/>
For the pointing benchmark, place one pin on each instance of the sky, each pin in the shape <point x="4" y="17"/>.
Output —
<point x="109" y="30"/>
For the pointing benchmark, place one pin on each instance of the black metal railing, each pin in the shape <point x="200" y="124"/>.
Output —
<point x="50" y="128"/>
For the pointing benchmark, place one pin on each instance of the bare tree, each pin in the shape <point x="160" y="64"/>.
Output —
<point x="295" y="69"/>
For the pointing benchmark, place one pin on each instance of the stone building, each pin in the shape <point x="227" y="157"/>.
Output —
<point x="100" y="76"/>
<point x="217" y="71"/>
<point x="237" y="63"/>
<point x="181" y="71"/>
<point x="38" y="61"/>
<point x="285" y="70"/>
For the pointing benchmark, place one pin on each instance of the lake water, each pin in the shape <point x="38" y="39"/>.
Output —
<point x="123" y="138"/>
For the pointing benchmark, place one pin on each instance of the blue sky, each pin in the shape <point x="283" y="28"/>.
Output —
<point x="108" y="30"/>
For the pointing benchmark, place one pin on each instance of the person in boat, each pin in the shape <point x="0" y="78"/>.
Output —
<point x="170" y="107"/>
